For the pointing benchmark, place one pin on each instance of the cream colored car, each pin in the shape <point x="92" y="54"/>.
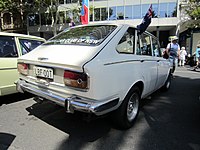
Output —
<point x="12" y="46"/>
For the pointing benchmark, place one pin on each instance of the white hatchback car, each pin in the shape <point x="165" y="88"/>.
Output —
<point x="96" y="69"/>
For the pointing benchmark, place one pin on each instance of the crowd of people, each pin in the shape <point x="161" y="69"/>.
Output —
<point x="177" y="56"/>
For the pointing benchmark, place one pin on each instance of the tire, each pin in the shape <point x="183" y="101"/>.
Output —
<point x="167" y="84"/>
<point x="125" y="116"/>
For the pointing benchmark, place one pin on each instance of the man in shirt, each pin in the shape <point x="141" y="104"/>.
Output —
<point x="197" y="57"/>
<point x="173" y="50"/>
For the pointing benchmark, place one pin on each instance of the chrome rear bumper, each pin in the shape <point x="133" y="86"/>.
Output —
<point x="71" y="102"/>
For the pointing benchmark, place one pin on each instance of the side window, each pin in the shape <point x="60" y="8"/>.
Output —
<point x="156" y="48"/>
<point x="126" y="44"/>
<point x="144" y="45"/>
<point x="28" y="45"/>
<point x="8" y="47"/>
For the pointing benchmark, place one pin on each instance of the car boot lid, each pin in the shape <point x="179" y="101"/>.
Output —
<point x="60" y="54"/>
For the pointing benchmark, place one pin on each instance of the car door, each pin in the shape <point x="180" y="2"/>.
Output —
<point x="8" y="64"/>
<point x="148" y="66"/>
<point x="160" y="63"/>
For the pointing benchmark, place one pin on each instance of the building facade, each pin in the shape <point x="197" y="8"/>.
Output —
<point x="168" y="18"/>
<point x="164" y="22"/>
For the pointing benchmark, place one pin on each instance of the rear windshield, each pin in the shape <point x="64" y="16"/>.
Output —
<point x="87" y="35"/>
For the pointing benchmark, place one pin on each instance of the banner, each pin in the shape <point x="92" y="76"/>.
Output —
<point x="146" y="21"/>
<point x="85" y="12"/>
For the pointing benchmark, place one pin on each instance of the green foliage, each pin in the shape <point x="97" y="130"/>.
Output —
<point x="193" y="11"/>
<point x="49" y="7"/>
<point x="9" y="5"/>
<point x="33" y="6"/>
<point x="196" y="13"/>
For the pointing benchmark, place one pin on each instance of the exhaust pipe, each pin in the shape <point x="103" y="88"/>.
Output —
<point x="38" y="99"/>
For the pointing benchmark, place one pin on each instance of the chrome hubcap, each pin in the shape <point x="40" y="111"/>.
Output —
<point x="132" y="108"/>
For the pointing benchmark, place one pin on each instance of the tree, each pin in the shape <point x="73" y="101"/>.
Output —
<point x="53" y="9"/>
<point x="50" y="7"/>
<point x="193" y="11"/>
<point x="9" y="5"/>
<point x="37" y="7"/>
<point x="12" y="6"/>
<point x="42" y="6"/>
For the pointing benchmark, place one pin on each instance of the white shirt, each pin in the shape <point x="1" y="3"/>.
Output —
<point x="183" y="53"/>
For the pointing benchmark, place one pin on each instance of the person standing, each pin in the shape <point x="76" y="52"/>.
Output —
<point x="173" y="50"/>
<point x="197" y="57"/>
<point x="183" y="53"/>
<point x="71" y="24"/>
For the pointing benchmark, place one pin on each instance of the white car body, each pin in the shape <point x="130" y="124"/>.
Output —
<point x="110" y="73"/>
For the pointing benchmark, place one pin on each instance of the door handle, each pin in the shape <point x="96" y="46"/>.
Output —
<point x="141" y="60"/>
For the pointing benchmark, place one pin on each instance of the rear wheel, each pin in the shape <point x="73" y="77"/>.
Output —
<point x="126" y="114"/>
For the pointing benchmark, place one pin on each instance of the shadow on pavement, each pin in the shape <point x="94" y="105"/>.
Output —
<point x="173" y="117"/>
<point x="6" y="140"/>
<point x="11" y="98"/>
<point x="79" y="129"/>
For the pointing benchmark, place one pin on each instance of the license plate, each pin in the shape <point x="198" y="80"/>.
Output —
<point x="43" y="72"/>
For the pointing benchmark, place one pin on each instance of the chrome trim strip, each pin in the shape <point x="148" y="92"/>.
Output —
<point x="119" y="62"/>
<point x="23" y="86"/>
<point x="7" y="68"/>
<point x="127" y="61"/>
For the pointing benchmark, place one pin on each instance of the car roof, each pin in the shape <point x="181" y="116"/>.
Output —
<point x="118" y="23"/>
<point x="20" y="35"/>
<point x="108" y="23"/>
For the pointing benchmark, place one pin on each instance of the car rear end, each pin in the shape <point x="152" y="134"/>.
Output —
<point x="55" y="71"/>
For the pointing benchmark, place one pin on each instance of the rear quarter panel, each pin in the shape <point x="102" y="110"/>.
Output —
<point x="112" y="74"/>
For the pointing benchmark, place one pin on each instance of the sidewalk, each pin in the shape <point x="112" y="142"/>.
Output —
<point x="187" y="67"/>
<point x="188" y="71"/>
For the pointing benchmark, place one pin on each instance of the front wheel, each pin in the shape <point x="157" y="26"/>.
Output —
<point x="126" y="114"/>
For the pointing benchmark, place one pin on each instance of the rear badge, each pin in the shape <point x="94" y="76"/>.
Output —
<point x="42" y="58"/>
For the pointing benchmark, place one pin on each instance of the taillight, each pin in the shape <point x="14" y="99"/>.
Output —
<point x="22" y="68"/>
<point x="76" y="79"/>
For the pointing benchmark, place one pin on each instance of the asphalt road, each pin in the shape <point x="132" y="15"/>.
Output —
<point x="168" y="121"/>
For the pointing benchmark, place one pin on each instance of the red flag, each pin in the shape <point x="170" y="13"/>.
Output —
<point x="85" y="12"/>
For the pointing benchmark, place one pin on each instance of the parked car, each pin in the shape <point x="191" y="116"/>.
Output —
<point x="12" y="46"/>
<point x="191" y="60"/>
<point x="96" y="68"/>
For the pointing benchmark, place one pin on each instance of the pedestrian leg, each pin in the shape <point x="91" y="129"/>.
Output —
<point x="179" y="63"/>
